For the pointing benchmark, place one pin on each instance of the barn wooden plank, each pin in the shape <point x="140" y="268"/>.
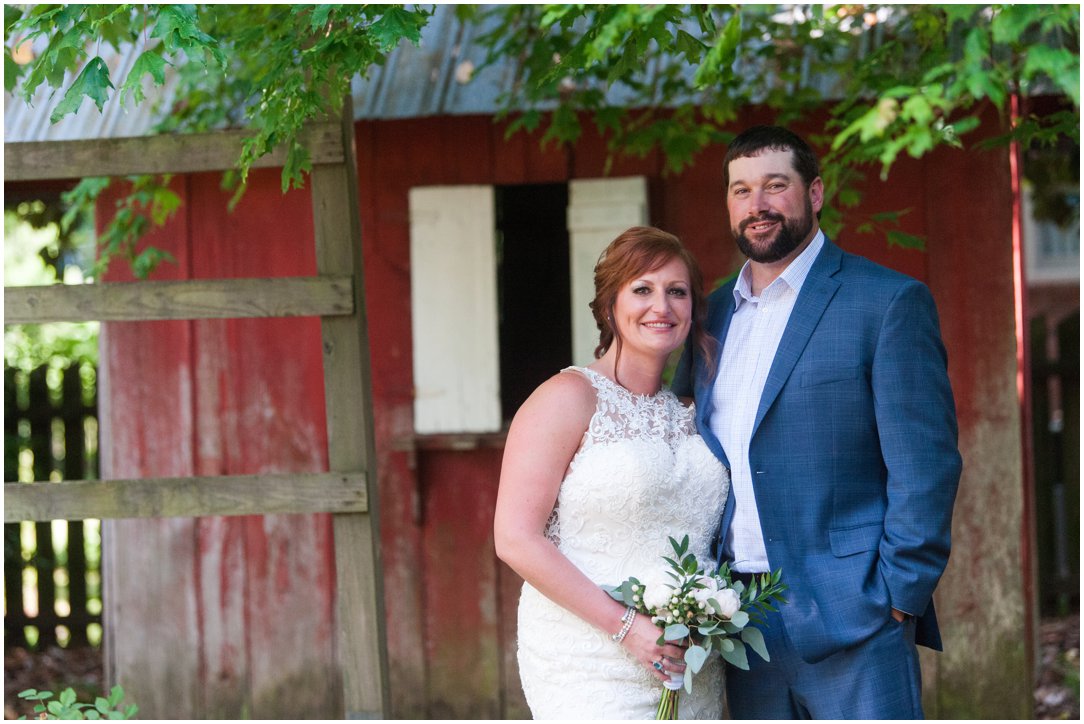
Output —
<point x="383" y="204"/>
<point x="163" y="154"/>
<point x="147" y="430"/>
<point x="186" y="497"/>
<point x="460" y="571"/>
<point x="256" y="389"/>
<point x="351" y="443"/>
<point x="195" y="299"/>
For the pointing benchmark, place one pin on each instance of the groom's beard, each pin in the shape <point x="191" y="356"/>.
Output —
<point x="791" y="234"/>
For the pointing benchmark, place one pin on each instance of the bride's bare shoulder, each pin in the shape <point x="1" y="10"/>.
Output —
<point x="566" y="398"/>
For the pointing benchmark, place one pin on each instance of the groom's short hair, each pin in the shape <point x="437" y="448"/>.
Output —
<point x="753" y="141"/>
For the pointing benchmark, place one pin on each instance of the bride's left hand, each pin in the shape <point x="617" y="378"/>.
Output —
<point x="640" y="641"/>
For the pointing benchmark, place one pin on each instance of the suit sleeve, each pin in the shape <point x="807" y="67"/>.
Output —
<point x="916" y="423"/>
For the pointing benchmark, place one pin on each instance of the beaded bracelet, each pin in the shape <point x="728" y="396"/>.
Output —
<point x="626" y="624"/>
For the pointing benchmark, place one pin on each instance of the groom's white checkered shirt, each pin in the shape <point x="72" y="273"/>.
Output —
<point x="748" y="352"/>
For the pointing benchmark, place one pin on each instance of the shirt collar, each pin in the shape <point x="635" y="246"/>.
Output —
<point x="793" y="276"/>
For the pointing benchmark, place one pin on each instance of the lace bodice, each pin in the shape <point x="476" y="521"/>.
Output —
<point x="641" y="474"/>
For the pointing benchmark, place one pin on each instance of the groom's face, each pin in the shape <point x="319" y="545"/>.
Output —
<point x="772" y="211"/>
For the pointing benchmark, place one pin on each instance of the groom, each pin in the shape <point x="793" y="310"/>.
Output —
<point x="830" y="404"/>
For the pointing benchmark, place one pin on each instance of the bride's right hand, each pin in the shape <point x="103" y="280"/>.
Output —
<point x="641" y="642"/>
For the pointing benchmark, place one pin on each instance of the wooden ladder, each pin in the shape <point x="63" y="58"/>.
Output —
<point x="336" y="295"/>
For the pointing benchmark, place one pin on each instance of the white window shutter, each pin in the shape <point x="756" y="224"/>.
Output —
<point x="453" y="294"/>
<point x="598" y="211"/>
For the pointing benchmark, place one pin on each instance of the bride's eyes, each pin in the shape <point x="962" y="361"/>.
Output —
<point x="672" y="291"/>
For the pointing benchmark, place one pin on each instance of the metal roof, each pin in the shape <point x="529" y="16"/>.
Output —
<point x="429" y="79"/>
<point x="424" y="80"/>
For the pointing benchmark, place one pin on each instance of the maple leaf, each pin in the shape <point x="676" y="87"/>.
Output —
<point x="147" y="63"/>
<point x="396" y="24"/>
<point x="93" y="82"/>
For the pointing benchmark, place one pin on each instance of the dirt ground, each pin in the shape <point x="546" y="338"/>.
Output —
<point x="1057" y="692"/>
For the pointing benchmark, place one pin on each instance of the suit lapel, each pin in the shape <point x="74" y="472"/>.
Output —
<point x="718" y="324"/>
<point x="817" y="291"/>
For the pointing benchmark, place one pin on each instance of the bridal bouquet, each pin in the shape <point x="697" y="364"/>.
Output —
<point x="709" y="611"/>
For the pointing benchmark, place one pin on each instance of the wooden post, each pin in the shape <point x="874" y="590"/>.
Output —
<point x="13" y="551"/>
<point x="41" y="445"/>
<point x="351" y="445"/>
<point x="73" y="412"/>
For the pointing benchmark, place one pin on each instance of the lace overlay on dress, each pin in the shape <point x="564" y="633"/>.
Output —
<point x="641" y="474"/>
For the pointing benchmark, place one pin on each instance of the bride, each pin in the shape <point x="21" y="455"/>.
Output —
<point x="601" y="465"/>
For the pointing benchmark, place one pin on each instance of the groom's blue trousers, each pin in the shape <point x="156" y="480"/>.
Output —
<point x="878" y="678"/>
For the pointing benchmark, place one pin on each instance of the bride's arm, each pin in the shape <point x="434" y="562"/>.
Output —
<point x="543" y="437"/>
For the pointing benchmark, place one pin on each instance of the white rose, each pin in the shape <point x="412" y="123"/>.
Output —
<point x="657" y="594"/>
<point x="711" y="587"/>
<point x="729" y="602"/>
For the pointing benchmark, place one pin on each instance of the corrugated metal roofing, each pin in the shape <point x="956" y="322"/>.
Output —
<point x="424" y="80"/>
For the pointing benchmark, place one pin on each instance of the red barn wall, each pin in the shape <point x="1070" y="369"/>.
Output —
<point x="202" y="611"/>
<point x="245" y="396"/>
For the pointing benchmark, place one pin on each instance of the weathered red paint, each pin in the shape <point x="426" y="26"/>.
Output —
<point x="250" y="391"/>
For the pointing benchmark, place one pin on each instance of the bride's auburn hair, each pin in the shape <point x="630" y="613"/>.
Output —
<point x="636" y="251"/>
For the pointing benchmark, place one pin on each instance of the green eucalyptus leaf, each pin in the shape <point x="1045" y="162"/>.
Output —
<point x="737" y="657"/>
<point x="695" y="657"/>
<point x="755" y="639"/>
<point x="676" y="632"/>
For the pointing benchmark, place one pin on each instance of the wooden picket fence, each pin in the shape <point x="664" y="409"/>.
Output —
<point x="49" y="420"/>
<point x="1056" y="429"/>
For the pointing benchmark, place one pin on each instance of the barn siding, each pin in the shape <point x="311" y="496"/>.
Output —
<point x="247" y="401"/>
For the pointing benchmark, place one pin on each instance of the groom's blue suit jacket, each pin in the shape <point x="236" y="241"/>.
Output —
<point x="853" y="452"/>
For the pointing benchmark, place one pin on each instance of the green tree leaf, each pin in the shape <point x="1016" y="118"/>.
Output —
<point x="904" y="240"/>
<point x="394" y="25"/>
<point x="178" y="28"/>
<point x="1058" y="64"/>
<point x="12" y="71"/>
<point x="148" y="63"/>
<point x="92" y="83"/>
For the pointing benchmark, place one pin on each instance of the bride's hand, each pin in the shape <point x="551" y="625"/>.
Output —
<point x="640" y="641"/>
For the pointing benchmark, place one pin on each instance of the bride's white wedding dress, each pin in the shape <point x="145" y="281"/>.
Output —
<point x="641" y="474"/>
